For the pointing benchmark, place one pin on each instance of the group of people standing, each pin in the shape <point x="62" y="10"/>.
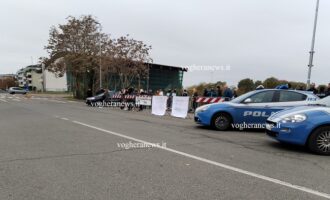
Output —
<point x="171" y="93"/>
<point x="221" y="91"/>
<point x="321" y="92"/>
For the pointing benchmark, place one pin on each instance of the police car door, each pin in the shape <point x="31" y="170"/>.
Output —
<point x="255" y="109"/>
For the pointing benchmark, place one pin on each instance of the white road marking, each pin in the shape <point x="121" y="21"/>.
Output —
<point x="57" y="101"/>
<point x="238" y="170"/>
<point x="3" y="100"/>
<point x="16" y="100"/>
<point x="66" y="119"/>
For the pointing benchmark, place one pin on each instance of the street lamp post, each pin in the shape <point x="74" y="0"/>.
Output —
<point x="100" y="64"/>
<point x="311" y="53"/>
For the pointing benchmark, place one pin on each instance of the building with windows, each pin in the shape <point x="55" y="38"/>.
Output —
<point x="35" y="78"/>
<point x="30" y="77"/>
<point x="162" y="77"/>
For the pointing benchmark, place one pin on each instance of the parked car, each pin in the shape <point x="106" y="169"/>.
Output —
<point x="103" y="96"/>
<point x="252" y="108"/>
<point x="16" y="90"/>
<point x="305" y="125"/>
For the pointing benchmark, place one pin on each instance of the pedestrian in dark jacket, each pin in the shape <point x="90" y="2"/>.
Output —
<point x="194" y="97"/>
<point x="322" y="92"/>
<point x="227" y="93"/>
<point x="206" y="92"/>
<point x="89" y="93"/>
<point x="212" y="93"/>
<point x="313" y="89"/>
<point x="184" y="93"/>
<point x="219" y="91"/>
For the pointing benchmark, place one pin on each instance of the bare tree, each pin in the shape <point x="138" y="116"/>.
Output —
<point x="7" y="82"/>
<point x="80" y="48"/>
<point x="128" y="58"/>
<point x="75" y="47"/>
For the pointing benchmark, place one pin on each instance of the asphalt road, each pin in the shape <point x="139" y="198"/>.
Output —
<point x="60" y="149"/>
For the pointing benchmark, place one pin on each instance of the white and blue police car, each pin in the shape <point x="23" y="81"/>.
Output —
<point x="252" y="108"/>
<point x="303" y="125"/>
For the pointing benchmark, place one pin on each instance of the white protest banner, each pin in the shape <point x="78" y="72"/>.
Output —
<point x="180" y="106"/>
<point x="143" y="100"/>
<point x="159" y="104"/>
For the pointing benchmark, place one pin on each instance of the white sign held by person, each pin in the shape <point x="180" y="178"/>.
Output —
<point x="143" y="100"/>
<point x="159" y="104"/>
<point x="180" y="106"/>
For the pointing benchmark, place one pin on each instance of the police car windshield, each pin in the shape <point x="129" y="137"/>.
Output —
<point x="242" y="97"/>
<point x="325" y="101"/>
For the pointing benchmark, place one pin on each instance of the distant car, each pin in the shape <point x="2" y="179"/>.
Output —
<point x="99" y="97"/>
<point x="16" y="90"/>
<point x="305" y="125"/>
<point x="251" y="109"/>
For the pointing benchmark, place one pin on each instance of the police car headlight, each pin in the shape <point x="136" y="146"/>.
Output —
<point x="202" y="108"/>
<point x="294" y="118"/>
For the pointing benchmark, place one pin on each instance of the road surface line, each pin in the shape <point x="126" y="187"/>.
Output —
<point x="3" y="100"/>
<point x="238" y="170"/>
<point x="57" y="101"/>
<point x="66" y="119"/>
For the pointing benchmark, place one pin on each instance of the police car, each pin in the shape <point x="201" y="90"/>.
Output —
<point x="251" y="109"/>
<point x="304" y="125"/>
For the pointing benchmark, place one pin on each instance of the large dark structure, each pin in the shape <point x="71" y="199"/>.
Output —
<point x="165" y="77"/>
<point x="159" y="77"/>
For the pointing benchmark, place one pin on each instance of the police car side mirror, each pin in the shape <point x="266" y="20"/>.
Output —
<point x="248" y="100"/>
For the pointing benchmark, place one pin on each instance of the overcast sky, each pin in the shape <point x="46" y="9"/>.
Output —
<point x="256" y="38"/>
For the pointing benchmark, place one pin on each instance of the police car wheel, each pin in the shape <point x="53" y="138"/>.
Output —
<point x="221" y="121"/>
<point x="319" y="141"/>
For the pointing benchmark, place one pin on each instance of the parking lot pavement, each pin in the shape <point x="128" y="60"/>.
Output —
<point x="52" y="150"/>
<point x="8" y="98"/>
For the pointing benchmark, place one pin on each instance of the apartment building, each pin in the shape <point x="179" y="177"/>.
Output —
<point x="35" y="78"/>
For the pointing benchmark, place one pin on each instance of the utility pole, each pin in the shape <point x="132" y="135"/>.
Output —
<point x="100" y="64"/>
<point x="100" y="46"/>
<point x="311" y="53"/>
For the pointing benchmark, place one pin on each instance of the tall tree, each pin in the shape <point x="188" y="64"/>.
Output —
<point x="76" y="47"/>
<point x="271" y="82"/>
<point x="80" y="48"/>
<point x="245" y="85"/>
<point x="128" y="57"/>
